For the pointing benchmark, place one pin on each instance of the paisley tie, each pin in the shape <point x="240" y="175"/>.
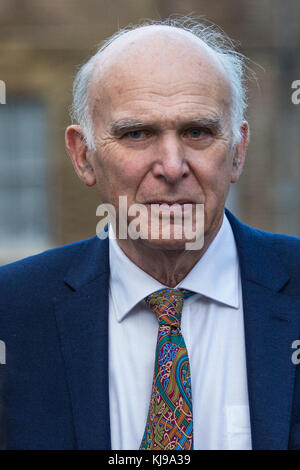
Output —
<point x="169" y="423"/>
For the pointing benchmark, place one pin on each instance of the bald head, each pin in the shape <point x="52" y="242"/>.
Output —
<point x="160" y="57"/>
<point x="156" y="45"/>
<point x="150" y="49"/>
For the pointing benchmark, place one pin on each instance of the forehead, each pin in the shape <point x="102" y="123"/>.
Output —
<point x="158" y="69"/>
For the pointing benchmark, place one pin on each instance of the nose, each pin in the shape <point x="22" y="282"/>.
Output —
<point x="170" y="162"/>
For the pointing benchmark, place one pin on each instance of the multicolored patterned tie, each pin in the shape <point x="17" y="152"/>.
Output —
<point x="169" y="423"/>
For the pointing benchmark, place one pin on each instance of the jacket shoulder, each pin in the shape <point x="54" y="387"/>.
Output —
<point x="281" y="242"/>
<point x="41" y="272"/>
<point x="286" y="246"/>
<point x="263" y="254"/>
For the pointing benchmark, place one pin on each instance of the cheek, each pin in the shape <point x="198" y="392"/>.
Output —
<point x="221" y="164"/>
<point x="214" y="175"/>
<point x="118" y="174"/>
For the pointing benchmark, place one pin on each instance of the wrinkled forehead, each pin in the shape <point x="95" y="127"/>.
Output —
<point x="162" y="58"/>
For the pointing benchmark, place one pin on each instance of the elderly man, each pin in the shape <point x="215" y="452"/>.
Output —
<point x="139" y="342"/>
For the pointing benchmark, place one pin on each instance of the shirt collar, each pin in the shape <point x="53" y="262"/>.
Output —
<point x="215" y="275"/>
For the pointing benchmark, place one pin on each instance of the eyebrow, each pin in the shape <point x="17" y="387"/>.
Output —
<point x="213" y="123"/>
<point x="123" y="125"/>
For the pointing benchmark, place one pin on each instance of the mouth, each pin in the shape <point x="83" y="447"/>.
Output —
<point x="179" y="206"/>
<point x="171" y="203"/>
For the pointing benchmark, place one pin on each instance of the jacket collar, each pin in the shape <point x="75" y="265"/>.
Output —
<point x="82" y="322"/>
<point x="91" y="263"/>
<point x="259" y="262"/>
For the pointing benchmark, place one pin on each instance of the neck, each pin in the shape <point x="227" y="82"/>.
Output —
<point x="168" y="266"/>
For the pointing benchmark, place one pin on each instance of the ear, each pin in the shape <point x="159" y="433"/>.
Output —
<point x="239" y="155"/>
<point x="80" y="154"/>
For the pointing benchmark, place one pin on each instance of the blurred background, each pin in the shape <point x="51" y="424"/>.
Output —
<point x="43" y="204"/>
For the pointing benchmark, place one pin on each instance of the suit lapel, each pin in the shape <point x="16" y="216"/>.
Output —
<point x="271" y="325"/>
<point x="82" y="320"/>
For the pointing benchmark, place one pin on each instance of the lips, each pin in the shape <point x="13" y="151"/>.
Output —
<point x="170" y="203"/>
<point x="171" y="207"/>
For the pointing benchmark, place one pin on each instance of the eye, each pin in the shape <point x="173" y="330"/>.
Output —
<point x="136" y="134"/>
<point x="194" y="132"/>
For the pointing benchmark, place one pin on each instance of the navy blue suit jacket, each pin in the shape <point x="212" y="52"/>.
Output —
<point x="54" y="321"/>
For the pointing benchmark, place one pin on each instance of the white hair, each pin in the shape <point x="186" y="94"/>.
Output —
<point x="233" y="63"/>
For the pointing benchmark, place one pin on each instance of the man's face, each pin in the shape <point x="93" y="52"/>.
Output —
<point x="162" y="130"/>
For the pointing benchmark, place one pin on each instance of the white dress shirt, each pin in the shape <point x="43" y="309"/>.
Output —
<point x="213" y="330"/>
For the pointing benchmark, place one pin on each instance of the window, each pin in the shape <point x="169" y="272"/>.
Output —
<point x="24" y="215"/>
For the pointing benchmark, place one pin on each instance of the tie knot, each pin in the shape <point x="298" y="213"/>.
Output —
<point x="167" y="305"/>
